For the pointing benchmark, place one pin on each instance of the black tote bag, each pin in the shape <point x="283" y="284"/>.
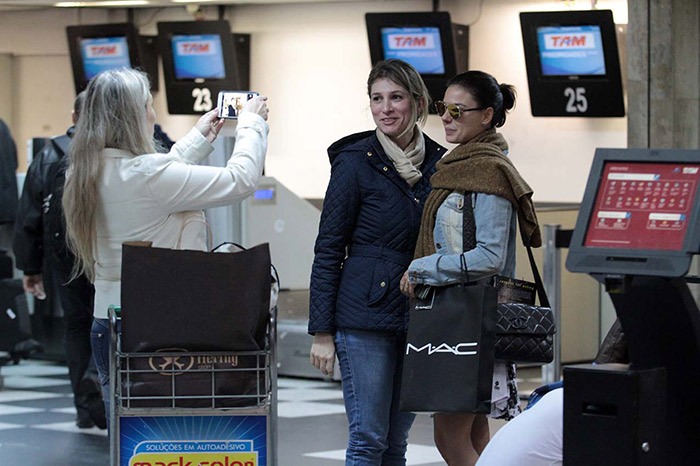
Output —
<point x="177" y="301"/>
<point x="195" y="300"/>
<point x="448" y="365"/>
<point x="449" y="359"/>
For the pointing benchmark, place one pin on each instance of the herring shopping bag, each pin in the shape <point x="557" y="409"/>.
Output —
<point x="180" y="301"/>
<point x="196" y="300"/>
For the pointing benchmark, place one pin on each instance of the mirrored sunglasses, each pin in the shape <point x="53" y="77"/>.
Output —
<point x="454" y="110"/>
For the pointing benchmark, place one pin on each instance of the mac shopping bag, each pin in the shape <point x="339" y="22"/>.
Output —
<point x="448" y="365"/>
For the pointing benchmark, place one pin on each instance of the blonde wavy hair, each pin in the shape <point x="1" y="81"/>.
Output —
<point x="113" y="115"/>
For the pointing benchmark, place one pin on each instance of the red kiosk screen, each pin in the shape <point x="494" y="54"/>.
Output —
<point x="643" y="206"/>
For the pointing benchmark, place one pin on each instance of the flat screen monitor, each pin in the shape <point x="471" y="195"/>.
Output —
<point x="573" y="65"/>
<point x="198" y="56"/>
<point x="571" y="50"/>
<point x="100" y="47"/>
<point x="429" y="41"/>
<point x="640" y="213"/>
<point x="200" y="59"/>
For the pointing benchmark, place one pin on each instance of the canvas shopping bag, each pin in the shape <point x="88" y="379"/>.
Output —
<point x="448" y="365"/>
<point x="188" y="301"/>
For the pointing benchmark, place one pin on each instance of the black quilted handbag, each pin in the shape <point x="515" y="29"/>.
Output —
<point x="524" y="332"/>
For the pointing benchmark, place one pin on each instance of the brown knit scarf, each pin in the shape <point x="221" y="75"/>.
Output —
<point x="479" y="166"/>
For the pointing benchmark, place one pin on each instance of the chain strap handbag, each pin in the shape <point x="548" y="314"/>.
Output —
<point x="524" y="331"/>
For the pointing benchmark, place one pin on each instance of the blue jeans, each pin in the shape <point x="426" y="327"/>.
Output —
<point x="370" y="367"/>
<point x="99" y="340"/>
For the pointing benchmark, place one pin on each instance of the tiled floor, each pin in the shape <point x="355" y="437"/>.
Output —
<point x="37" y="425"/>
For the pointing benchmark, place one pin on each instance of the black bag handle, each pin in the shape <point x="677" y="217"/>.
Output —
<point x="468" y="232"/>
<point x="469" y="243"/>
<point x="231" y="243"/>
<point x="544" y="301"/>
<point x="239" y="246"/>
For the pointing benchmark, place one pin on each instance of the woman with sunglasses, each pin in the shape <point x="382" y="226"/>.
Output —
<point x="474" y="106"/>
<point x="372" y="211"/>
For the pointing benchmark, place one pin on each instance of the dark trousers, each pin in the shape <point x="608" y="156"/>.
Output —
<point x="77" y="298"/>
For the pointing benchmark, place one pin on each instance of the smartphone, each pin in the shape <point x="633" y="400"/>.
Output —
<point x="231" y="102"/>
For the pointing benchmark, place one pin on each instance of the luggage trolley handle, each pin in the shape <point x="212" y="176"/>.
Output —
<point x="113" y="362"/>
<point x="273" y="439"/>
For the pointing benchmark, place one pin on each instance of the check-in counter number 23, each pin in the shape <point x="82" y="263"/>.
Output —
<point x="577" y="101"/>
<point x="202" y="99"/>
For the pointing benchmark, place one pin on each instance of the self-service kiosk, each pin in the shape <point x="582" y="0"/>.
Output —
<point x="637" y="231"/>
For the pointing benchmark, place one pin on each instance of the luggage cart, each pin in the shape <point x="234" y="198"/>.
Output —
<point x="199" y="429"/>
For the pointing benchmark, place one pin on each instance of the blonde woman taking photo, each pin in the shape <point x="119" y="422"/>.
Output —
<point x="119" y="188"/>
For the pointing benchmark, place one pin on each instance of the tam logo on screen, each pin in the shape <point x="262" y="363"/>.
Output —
<point x="415" y="41"/>
<point x="202" y="47"/>
<point x="569" y="41"/>
<point x="105" y="51"/>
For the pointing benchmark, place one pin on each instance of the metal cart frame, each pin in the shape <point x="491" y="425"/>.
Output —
<point x="264" y="400"/>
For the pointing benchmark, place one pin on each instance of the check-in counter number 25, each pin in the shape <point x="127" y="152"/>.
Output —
<point x="577" y="101"/>
<point x="202" y="99"/>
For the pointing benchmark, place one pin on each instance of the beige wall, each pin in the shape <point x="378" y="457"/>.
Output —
<point x="312" y="61"/>
<point x="6" y="84"/>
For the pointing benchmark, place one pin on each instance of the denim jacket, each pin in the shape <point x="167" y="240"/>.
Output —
<point x="495" y="242"/>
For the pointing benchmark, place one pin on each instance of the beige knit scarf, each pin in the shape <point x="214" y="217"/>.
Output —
<point x="480" y="166"/>
<point x="407" y="162"/>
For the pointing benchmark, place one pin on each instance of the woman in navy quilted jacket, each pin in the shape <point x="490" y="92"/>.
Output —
<point x="371" y="213"/>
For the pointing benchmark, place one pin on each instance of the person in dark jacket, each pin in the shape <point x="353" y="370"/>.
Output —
<point x="8" y="175"/>
<point x="163" y="139"/>
<point x="372" y="210"/>
<point x="8" y="184"/>
<point x="43" y="256"/>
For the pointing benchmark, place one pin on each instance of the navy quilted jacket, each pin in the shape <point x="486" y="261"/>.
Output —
<point x="373" y="215"/>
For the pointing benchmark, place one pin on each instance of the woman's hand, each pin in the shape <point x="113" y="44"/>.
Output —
<point x="407" y="288"/>
<point x="323" y="353"/>
<point x="257" y="104"/>
<point x="34" y="284"/>
<point x="210" y="125"/>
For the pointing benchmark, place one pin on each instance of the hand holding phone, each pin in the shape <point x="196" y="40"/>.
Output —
<point x="230" y="103"/>
<point x="210" y="125"/>
<point x="257" y="105"/>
